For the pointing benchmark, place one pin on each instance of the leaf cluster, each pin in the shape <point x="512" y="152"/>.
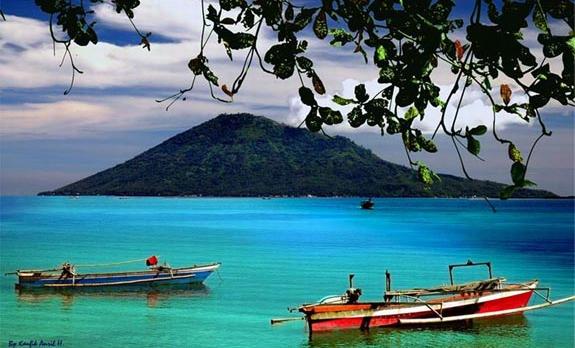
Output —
<point x="75" y="21"/>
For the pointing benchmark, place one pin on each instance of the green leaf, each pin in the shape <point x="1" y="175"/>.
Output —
<point x="518" y="173"/>
<point x="278" y="53"/>
<point x="479" y="130"/>
<point x="284" y="70"/>
<point x="83" y="38"/>
<point x="196" y="65"/>
<point x="49" y="6"/>
<point x="356" y="117"/>
<point x="289" y="12"/>
<point x="426" y="175"/>
<point x="228" y="21"/>
<point x="329" y="116"/>
<point x="306" y="96"/>
<point x="375" y="111"/>
<point x="538" y="101"/>
<point x="437" y="102"/>
<point x="304" y="63"/>
<point x="487" y="83"/>
<point x="380" y="54"/>
<point x="376" y="106"/>
<point x="427" y="144"/>
<point x="411" y="113"/>
<point x="212" y="14"/>
<point x="514" y="153"/>
<point x="248" y="20"/>
<point x="386" y="75"/>
<point x="341" y="100"/>
<point x="303" y="18"/>
<point x="406" y="95"/>
<point x="374" y="119"/>
<point x="360" y="93"/>
<point x="507" y="192"/>
<point x="539" y="18"/>
<point x="393" y="127"/>
<point x="235" y="41"/>
<point x="320" y="25"/>
<point x="240" y="41"/>
<point x="229" y="4"/>
<point x="312" y="121"/>
<point x="473" y="145"/>
<point x="571" y="44"/>
<point x="340" y="37"/>
<point x="410" y="141"/>
<point x="552" y="45"/>
<point x="209" y="75"/>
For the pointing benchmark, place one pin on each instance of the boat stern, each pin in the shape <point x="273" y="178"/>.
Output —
<point x="30" y="279"/>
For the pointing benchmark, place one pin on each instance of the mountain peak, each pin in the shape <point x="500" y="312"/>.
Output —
<point x="240" y="118"/>
<point x="246" y="155"/>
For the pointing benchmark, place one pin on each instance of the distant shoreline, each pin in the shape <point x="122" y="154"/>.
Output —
<point x="49" y="194"/>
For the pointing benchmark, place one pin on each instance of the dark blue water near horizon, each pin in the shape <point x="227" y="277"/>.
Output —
<point x="277" y="253"/>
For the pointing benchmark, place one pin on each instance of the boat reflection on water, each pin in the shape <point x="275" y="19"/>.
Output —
<point x="154" y="296"/>
<point x="477" y="333"/>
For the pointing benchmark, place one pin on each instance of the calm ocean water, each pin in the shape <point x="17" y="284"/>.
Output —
<point x="277" y="253"/>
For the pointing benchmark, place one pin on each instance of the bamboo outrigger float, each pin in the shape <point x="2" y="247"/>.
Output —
<point x="492" y="297"/>
<point x="66" y="276"/>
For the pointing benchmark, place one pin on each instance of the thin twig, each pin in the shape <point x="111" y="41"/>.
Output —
<point x="460" y="159"/>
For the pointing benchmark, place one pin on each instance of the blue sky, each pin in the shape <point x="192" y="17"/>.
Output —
<point x="48" y="139"/>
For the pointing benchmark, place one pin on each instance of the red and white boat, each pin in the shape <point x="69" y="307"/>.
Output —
<point x="455" y="302"/>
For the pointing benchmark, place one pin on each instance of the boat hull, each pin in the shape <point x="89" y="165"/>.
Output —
<point x="176" y="276"/>
<point x="378" y="314"/>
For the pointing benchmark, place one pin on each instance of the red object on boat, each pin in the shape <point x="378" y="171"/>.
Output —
<point x="152" y="261"/>
<point x="480" y="299"/>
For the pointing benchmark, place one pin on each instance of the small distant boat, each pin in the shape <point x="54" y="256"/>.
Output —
<point x="488" y="298"/>
<point x="67" y="277"/>
<point x="367" y="204"/>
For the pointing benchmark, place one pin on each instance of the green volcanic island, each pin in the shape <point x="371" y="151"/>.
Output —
<point x="245" y="155"/>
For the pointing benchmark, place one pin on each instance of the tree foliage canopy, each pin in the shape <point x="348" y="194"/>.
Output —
<point x="405" y="39"/>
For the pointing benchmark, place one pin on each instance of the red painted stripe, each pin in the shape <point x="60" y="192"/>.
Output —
<point x="365" y="322"/>
<point x="511" y="302"/>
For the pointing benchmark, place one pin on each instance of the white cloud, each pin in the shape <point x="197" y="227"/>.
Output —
<point x="29" y="61"/>
<point x="176" y="19"/>
<point x="23" y="32"/>
<point x="89" y="115"/>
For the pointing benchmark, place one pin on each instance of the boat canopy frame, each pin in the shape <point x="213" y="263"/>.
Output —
<point x="470" y="263"/>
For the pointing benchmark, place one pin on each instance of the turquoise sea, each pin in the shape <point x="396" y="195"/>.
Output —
<point x="277" y="253"/>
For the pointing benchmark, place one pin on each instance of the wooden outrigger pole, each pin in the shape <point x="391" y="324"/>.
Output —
<point x="283" y="320"/>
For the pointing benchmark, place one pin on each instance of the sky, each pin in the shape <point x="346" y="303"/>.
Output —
<point x="48" y="139"/>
